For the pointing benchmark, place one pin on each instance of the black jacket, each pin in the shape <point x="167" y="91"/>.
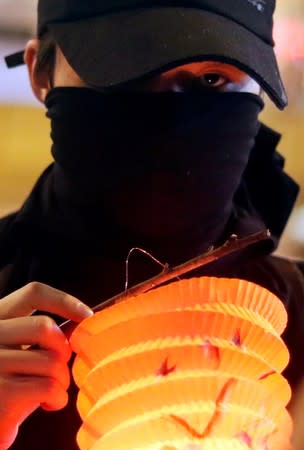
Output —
<point x="31" y="252"/>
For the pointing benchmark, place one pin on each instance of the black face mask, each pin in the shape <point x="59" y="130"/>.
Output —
<point x="160" y="166"/>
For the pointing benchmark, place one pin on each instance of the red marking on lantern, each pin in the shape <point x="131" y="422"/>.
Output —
<point x="221" y="398"/>
<point x="164" y="369"/>
<point x="266" y="375"/>
<point x="265" y="445"/>
<point x="236" y="339"/>
<point x="245" y="438"/>
<point x="212" y="352"/>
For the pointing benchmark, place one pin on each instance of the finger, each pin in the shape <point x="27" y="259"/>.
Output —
<point x="39" y="331"/>
<point x="20" y="397"/>
<point x="20" y="394"/>
<point x="37" y="363"/>
<point x="8" y="436"/>
<point x="38" y="296"/>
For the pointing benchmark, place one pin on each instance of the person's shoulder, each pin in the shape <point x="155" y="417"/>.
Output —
<point x="289" y="269"/>
<point x="6" y="221"/>
<point x="300" y="265"/>
<point x="286" y="279"/>
<point x="290" y="278"/>
<point x="6" y="250"/>
<point x="281" y="275"/>
<point x="288" y="264"/>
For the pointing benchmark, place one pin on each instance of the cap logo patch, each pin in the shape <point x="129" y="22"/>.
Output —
<point x="258" y="4"/>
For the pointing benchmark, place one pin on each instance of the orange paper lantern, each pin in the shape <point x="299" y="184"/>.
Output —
<point x="194" y="365"/>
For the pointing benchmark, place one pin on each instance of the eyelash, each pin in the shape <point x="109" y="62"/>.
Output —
<point x="204" y="78"/>
<point x="184" y="82"/>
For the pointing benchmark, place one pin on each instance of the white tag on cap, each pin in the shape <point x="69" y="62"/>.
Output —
<point x="259" y="4"/>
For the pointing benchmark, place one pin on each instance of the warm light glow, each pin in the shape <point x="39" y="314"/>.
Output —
<point x="289" y="39"/>
<point x="194" y="365"/>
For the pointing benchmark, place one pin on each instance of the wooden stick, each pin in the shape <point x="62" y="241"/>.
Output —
<point x="232" y="245"/>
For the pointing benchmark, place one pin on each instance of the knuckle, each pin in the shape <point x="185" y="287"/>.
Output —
<point x="51" y="387"/>
<point x="44" y="325"/>
<point x="3" y="362"/>
<point x="59" y="370"/>
<point x="7" y="389"/>
<point x="4" y="386"/>
<point x="33" y="289"/>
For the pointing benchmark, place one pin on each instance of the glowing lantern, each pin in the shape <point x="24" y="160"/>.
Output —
<point x="194" y="365"/>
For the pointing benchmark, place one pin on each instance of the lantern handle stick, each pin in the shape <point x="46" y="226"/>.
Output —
<point x="232" y="245"/>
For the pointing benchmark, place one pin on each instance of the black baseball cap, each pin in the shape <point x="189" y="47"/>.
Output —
<point x="112" y="42"/>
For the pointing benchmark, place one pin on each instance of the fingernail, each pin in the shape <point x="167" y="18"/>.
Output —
<point x="84" y="310"/>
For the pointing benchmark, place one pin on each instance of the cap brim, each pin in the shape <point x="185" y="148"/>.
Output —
<point x="110" y="50"/>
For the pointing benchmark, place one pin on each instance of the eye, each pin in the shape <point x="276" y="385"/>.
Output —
<point x="213" y="80"/>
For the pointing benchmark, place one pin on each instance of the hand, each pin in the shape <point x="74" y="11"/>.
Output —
<point x="33" y="376"/>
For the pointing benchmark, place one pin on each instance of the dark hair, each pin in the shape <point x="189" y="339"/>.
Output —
<point x="46" y="55"/>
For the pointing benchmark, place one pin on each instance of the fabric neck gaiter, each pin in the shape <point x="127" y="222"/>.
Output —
<point x="159" y="166"/>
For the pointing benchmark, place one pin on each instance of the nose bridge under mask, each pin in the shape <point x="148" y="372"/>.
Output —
<point x="159" y="162"/>
<point x="139" y="130"/>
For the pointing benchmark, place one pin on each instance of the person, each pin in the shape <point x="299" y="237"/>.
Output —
<point x="157" y="144"/>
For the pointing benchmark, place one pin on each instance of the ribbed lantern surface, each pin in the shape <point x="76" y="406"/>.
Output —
<point x="194" y="365"/>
